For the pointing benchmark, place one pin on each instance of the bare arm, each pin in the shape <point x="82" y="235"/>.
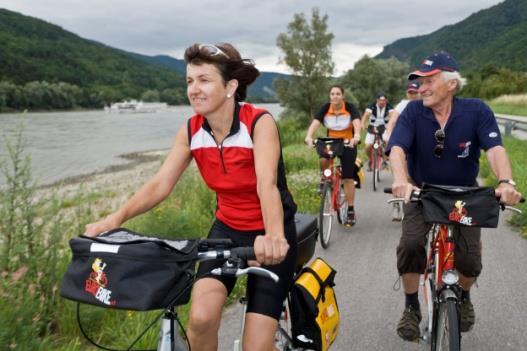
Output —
<point x="311" y="130"/>
<point x="357" y="126"/>
<point x="501" y="167"/>
<point x="391" y="123"/>
<point x="271" y="248"/>
<point x="401" y="187"/>
<point x="365" y="117"/>
<point x="153" y="191"/>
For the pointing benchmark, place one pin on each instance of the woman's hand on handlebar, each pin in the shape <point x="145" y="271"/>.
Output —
<point x="110" y="222"/>
<point x="270" y="249"/>
<point x="308" y="141"/>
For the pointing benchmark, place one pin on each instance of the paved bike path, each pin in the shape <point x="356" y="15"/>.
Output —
<point x="364" y="257"/>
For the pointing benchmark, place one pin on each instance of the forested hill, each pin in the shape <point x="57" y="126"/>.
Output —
<point x="497" y="35"/>
<point x="35" y="50"/>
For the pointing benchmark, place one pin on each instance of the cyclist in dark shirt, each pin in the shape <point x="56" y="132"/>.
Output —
<point x="438" y="140"/>
<point x="375" y="115"/>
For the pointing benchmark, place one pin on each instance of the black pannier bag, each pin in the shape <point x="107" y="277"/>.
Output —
<point x="465" y="206"/>
<point x="306" y="237"/>
<point x="125" y="270"/>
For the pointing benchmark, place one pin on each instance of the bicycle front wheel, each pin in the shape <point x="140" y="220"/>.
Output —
<point x="342" y="203"/>
<point x="325" y="218"/>
<point x="283" y="340"/>
<point x="447" y="331"/>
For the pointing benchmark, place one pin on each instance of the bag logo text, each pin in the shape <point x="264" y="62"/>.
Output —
<point x="96" y="283"/>
<point x="459" y="214"/>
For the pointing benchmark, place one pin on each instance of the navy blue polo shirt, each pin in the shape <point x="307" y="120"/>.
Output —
<point x="471" y="127"/>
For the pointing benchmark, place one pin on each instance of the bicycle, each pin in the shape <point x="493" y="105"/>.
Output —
<point x="377" y="158"/>
<point x="235" y="265"/>
<point x="333" y="197"/>
<point x="442" y="292"/>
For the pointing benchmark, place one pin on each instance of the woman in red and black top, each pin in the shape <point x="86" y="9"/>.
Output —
<point x="237" y="150"/>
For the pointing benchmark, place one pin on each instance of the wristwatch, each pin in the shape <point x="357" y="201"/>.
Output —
<point x="508" y="181"/>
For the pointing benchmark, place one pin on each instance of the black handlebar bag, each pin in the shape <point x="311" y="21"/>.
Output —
<point x="125" y="270"/>
<point x="329" y="148"/>
<point x="462" y="206"/>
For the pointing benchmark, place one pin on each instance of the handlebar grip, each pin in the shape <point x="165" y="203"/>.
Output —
<point x="244" y="253"/>
<point x="387" y="190"/>
<point x="522" y="199"/>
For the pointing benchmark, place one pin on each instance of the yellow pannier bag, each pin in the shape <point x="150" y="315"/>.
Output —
<point x="358" y="174"/>
<point x="313" y="306"/>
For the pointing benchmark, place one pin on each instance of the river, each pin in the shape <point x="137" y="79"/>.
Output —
<point x="67" y="144"/>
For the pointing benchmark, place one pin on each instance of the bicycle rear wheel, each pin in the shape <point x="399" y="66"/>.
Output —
<point x="375" y="168"/>
<point x="447" y="330"/>
<point x="325" y="218"/>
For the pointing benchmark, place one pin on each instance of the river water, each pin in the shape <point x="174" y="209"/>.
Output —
<point x="67" y="144"/>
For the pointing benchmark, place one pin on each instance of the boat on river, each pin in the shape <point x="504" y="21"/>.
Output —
<point x="134" y="106"/>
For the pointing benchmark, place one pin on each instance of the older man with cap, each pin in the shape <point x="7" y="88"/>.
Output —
<point x="375" y="115"/>
<point x="418" y="156"/>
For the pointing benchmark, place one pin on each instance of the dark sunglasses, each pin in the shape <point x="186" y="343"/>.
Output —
<point x="440" y="140"/>
<point x="211" y="50"/>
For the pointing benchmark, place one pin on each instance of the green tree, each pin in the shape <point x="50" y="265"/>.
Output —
<point x="370" y="76"/>
<point x="150" y="96"/>
<point x="306" y="51"/>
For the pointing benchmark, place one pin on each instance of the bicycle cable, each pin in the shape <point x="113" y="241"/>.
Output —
<point x="170" y="305"/>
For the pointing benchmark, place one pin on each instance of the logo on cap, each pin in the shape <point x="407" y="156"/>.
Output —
<point x="428" y="62"/>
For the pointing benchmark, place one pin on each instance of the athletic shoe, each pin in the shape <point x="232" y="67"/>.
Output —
<point x="350" y="221"/>
<point x="408" y="327"/>
<point x="468" y="316"/>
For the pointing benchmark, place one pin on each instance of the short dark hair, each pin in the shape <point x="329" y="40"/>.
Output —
<point x="337" y="86"/>
<point x="230" y="64"/>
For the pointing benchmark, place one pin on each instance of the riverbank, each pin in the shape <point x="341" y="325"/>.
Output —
<point x="110" y="187"/>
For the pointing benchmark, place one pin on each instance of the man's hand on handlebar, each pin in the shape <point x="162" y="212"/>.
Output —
<point x="508" y="195"/>
<point x="308" y="141"/>
<point x="403" y="189"/>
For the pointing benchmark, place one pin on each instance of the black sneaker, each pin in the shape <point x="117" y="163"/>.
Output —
<point x="468" y="316"/>
<point x="350" y="221"/>
<point x="408" y="327"/>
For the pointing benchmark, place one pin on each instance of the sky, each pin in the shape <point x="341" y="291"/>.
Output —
<point x="167" y="27"/>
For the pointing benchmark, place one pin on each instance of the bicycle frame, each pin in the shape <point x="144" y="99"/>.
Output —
<point x="440" y="278"/>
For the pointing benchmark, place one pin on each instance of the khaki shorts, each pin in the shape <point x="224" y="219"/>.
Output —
<point x="411" y="251"/>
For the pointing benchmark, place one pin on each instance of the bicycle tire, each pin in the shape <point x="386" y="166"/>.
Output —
<point x="379" y="164"/>
<point x="374" y="169"/>
<point x="325" y="217"/>
<point x="283" y="339"/>
<point x="447" y="336"/>
<point x="342" y="205"/>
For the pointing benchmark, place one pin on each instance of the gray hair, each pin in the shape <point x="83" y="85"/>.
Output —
<point x="448" y="76"/>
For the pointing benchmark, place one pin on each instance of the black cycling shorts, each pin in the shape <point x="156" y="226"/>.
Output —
<point x="347" y="161"/>
<point x="264" y="295"/>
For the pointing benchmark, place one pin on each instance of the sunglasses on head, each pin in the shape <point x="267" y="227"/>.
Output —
<point x="440" y="142"/>
<point x="211" y="50"/>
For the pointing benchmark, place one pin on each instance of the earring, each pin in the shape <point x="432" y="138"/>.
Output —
<point x="229" y="96"/>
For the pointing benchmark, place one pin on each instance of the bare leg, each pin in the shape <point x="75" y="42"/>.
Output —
<point x="349" y="189"/>
<point x="259" y="332"/>
<point x="208" y="298"/>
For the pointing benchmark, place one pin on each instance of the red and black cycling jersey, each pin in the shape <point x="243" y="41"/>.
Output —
<point x="228" y="169"/>
<point x="338" y="122"/>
